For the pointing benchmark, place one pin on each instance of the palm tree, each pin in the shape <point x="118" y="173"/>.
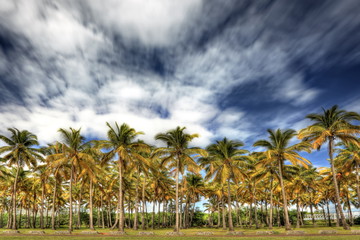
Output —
<point x="194" y="188"/>
<point x="278" y="150"/>
<point x="225" y="163"/>
<point x="19" y="151"/>
<point x="75" y="154"/>
<point x="329" y="126"/>
<point x="178" y="155"/>
<point x="121" y="143"/>
<point x="60" y="172"/>
<point x="349" y="156"/>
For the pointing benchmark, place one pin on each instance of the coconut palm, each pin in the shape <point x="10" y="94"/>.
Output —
<point x="331" y="125"/>
<point x="121" y="142"/>
<point x="226" y="163"/>
<point x="75" y="154"/>
<point x="278" y="150"/>
<point x="178" y="155"/>
<point x="349" y="156"/>
<point x="19" y="151"/>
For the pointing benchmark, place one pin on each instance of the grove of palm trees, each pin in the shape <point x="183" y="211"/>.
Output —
<point x="122" y="182"/>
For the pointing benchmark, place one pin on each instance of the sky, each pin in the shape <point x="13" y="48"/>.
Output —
<point x="221" y="68"/>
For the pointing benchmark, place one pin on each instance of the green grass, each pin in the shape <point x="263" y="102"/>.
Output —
<point x="189" y="234"/>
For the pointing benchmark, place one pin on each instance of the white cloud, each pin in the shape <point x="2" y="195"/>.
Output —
<point x="157" y="22"/>
<point x="71" y="72"/>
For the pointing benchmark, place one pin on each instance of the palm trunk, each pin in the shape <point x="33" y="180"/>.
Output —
<point x="337" y="195"/>
<point x="136" y="200"/>
<point x="53" y="208"/>
<point x="47" y="215"/>
<point x="121" y="203"/>
<point x="286" y="215"/>
<point x="218" y="221"/>
<point x="91" y="220"/>
<point x="13" y="225"/>
<point x="351" y="220"/>
<point x="223" y="214"/>
<point x="143" y="204"/>
<point x="312" y="213"/>
<point x="357" y="182"/>
<point x="255" y="210"/>
<point x="337" y="216"/>
<point x="297" y="212"/>
<point x="324" y="214"/>
<point x="328" y="212"/>
<point x="177" y="196"/>
<point x="231" y="227"/>
<point x="271" y="205"/>
<point x="70" y="199"/>
<point x="20" y="214"/>
<point x="42" y="205"/>
<point x="102" y="212"/>
<point x="153" y="216"/>
<point x="159" y="215"/>
<point x="79" y="210"/>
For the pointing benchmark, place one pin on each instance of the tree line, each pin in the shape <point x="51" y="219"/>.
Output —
<point x="114" y="180"/>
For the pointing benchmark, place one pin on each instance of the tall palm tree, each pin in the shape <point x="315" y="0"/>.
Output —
<point x="178" y="155"/>
<point x="59" y="170"/>
<point x="349" y="156"/>
<point x="121" y="143"/>
<point x="331" y="125"/>
<point x="20" y="150"/>
<point x="278" y="150"/>
<point x="225" y="163"/>
<point x="75" y="154"/>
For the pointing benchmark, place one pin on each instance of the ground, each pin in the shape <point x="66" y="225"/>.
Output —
<point x="311" y="233"/>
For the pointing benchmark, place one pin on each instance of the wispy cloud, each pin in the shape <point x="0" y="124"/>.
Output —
<point x="159" y="64"/>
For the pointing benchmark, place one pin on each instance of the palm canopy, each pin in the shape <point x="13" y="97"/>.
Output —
<point x="225" y="161"/>
<point x="178" y="149"/>
<point x="20" y="148"/>
<point x="74" y="151"/>
<point x="332" y="123"/>
<point x="121" y="141"/>
<point x="277" y="147"/>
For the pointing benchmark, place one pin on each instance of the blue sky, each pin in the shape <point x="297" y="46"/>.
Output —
<point x="221" y="68"/>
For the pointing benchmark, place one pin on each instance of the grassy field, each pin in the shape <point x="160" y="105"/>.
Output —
<point x="189" y="234"/>
<point x="178" y="238"/>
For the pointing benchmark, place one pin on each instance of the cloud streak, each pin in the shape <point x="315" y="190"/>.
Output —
<point x="159" y="64"/>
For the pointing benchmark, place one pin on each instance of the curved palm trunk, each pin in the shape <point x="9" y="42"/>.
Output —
<point x="357" y="183"/>
<point x="177" y="196"/>
<point x="13" y="225"/>
<point x="70" y="199"/>
<point x="121" y="203"/>
<point x="231" y="227"/>
<point x="286" y="215"/>
<point x="53" y="208"/>
<point x="337" y="194"/>
<point x="91" y="220"/>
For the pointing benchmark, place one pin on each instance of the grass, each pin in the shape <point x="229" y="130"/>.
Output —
<point x="189" y="234"/>
<point x="178" y="238"/>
